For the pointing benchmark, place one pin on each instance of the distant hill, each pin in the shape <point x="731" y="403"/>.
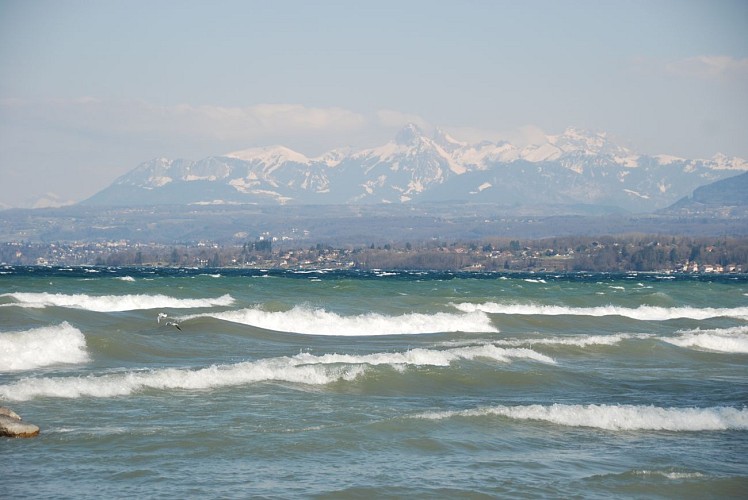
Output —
<point x="732" y="191"/>
<point x="340" y="225"/>
<point x="726" y="193"/>
<point x="576" y="168"/>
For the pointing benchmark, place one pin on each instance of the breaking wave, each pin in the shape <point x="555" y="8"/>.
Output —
<point x="614" y="417"/>
<point x="578" y="340"/>
<point x="49" y="345"/>
<point x="113" y="303"/>
<point x="304" y="368"/>
<point x="732" y="340"/>
<point x="430" y="357"/>
<point x="668" y="474"/>
<point x="644" y="313"/>
<point x="306" y="320"/>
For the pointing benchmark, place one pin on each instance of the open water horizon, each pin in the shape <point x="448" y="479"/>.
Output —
<point x="348" y="384"/>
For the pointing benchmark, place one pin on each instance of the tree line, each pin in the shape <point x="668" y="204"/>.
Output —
<point x="562" y="254"/>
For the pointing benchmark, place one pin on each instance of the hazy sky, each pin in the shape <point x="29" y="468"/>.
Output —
<point x="90" y="89"/>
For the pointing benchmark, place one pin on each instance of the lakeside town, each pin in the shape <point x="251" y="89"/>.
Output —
<point x="567" y="254"/>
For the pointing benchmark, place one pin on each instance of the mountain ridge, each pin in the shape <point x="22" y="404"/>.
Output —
<point x="727" y="196"/>
<point x="575" y="167"/>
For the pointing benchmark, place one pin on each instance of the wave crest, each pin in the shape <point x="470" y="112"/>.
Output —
<point x="643" y="313"/>
<point x="45" y="346"/>
<point x="303" y="368"/>
<point x="306" y="320"/>
<point x="732" y="340"/>
<point x="615" y="417"/>
<point x="114" y="303"/>
<point x="578" y="340"/>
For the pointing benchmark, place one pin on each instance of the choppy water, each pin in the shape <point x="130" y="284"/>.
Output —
<point x="345" y="384"/>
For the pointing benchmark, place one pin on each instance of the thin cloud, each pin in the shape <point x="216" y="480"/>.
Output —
<point x="709" y="68"/>
<point x="520" y="136"/>
<point x="252" y="123"/>
<point x="396" y="119"/>
<point x="258" y="123"/>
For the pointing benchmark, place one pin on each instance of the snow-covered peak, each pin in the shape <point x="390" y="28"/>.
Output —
<point x="152" y="173"/>
<point x="408" y="140"/>
<point x="724" y="162"/>
<point x="270" y="156"/>
<point x="478" y="155"/>
<point x="668" y="159"/>
<point x="156" y="164"/>
<point x="410" y="143"/>
<point x="541" y="152"/>
<point x="333" y="157"/>
<point x="409" y="135"/>
<point x="447" y="142"/>
<point x="414" y="166"/>
<point x="576" y="140"/>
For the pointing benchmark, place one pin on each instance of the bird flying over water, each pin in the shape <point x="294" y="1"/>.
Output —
<point x="164" y="316"/>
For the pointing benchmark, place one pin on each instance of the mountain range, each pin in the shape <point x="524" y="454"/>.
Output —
<point x="575" y="168"/>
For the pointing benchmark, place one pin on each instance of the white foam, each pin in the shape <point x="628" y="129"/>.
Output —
<point x="45" y="346"/>
<point x="112" y="303"/>
<point x="306" y="320"/>
<point x="23" y="305"/>
<point x="304" y="368"/>
<point x="123" y="384"/>
<point x="125" y="278"/>
<point x="675" y="475"/>
<point x="430" y="357"/>
<point x="614" y="417"/>
<point x="644" y="313"/>
<point x="732" y="340"/>
<point x="578" y="340"/>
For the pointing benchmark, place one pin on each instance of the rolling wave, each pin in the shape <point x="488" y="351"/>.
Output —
<point x="430" y="357"/>
<point x="49" y="345"/>
<point x="723" y="340"/>
<point x="303" y="368"/>
<point x="730" y="340"/>
<point x="113" y="303"/>
<point x="306" y="320"/>
<point x="614" y="417"/>
<point x="668" y="474"/>
<point x="644" y="313"/>
<point x="578" y="340"/>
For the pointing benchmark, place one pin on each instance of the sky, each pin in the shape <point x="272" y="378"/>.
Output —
<point x="89" y="89"/>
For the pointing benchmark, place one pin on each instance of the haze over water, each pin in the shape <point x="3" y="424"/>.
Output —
<point x="373" y="384"/>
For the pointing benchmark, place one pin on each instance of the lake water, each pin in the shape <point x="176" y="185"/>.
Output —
<point x="339" y="384"/>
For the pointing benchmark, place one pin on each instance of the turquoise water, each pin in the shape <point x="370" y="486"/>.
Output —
<point x="344" y="384"/>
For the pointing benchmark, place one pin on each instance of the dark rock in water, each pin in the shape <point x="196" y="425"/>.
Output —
<point x="11" y="425"/>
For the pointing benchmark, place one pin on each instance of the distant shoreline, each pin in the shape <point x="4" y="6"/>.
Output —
<point x="640" y="253"/>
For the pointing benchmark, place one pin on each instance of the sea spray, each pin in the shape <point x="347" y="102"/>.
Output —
<point x="303" y="368"/>
<point x="577" y="340"/>
<point x="39" y="347"/>
<point x="316" y="321"/>
<point x="114" y="303"/>
<point x="549" y="406"/>
<point x="727" y="340"/>
<point x="613" y="417"/>
<point x="643" y="312"/>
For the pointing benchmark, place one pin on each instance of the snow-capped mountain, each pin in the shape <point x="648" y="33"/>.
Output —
<point x="576" y="167"/>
